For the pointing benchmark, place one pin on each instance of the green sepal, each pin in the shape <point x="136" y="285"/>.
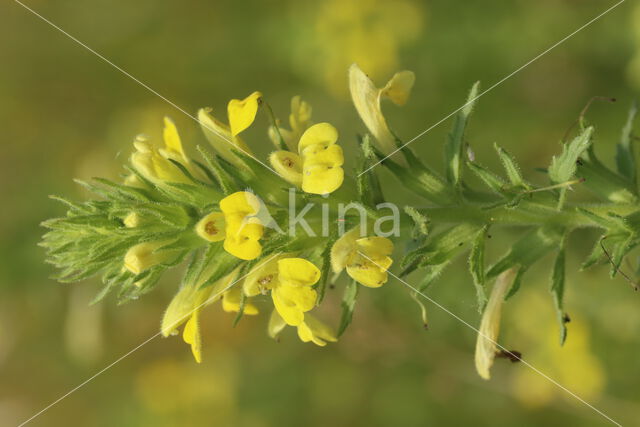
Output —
<point x="348" y="304"/>
<point x="455" y="141"/>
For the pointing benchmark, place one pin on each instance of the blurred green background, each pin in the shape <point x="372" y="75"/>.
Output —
<point x="65" y="113"/>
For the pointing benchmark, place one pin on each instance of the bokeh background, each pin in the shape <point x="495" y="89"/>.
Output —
<point x="64" y="113"/>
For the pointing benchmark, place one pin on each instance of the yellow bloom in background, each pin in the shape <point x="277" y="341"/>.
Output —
<point x="490" y="325"/>
<point x="224" y="138"/>
<point x="145" y="255"/>
<point x="336" y="33"/>
<point x="290" y="281"/>
<point x="366" y="259"/>
<point x="633" y="68"/>
<point x="299" y="120"/>
<point x="186" y="306"/>
<point x="243" y="229"/>
<point x="318" y="167"/>
<point x="573" y="364"/>
<point x="366" y="98"/>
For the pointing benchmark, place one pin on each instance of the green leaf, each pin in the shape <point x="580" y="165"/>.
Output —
<point x="422" y="181"/>
<point x="325" y="270"/>
<point x="476" y="268"/>
<point x="224" y="180"/>
<point x="493" y="181"/>
<point x="563" y="167"/>
<point x="348" y="305"/>
<point x="440" y="249"/>
<point x="367" y="182"/>
<point x="420" y="222"/>
<point x="455" y="141"/>
<point x="557" y="291"/>
<point x="625" y="159"/>
<point x="526" y="252"/>
<point x="510" y="166"/>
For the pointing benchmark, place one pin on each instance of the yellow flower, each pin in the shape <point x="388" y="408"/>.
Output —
<point x="237" y="225"/>
<point x="315" y="331"/>
<point x="224" y="138"/>
<point x="366" y="259"/>
<point x="290" y="281"/>
<point x="145" y="255"/>
<point x="152" y="165"/>
<point x="155" y="163"/>
<point x="132" y="220"/>
<point x="366" y="98"/>
<point x="232" y="299"/>
<point x="299" y="120"/>
<point x="337" y="33"/>
<point x="318" y="167"/>
<point x="242" y="228"/>
<point x="310" y="330"/>
<point x="187" y="304"/>
<point x="211" y="227"/>
<point x="490" y="325"/>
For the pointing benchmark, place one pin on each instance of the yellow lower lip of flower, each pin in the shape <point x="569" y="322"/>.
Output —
<point x="242" y="247"/>
<point x="315" y="331"/>
<point x="368" y="274"/>
<point x="293" y="301"/>
<point x="322" y="179"/>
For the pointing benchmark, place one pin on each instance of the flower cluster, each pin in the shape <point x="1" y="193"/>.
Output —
<point x="229" y="218"/>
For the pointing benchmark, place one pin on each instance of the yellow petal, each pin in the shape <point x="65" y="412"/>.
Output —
<point x="490" y="325"/>
<point x="211" y="227"/>
<point x="375" y="247"/>
<point x="157" y="169"/>
<point x="262" y="277"/>
<point x="191" y="335"/>
<point x="321" y="133"/>
<point x="331" y="155"/>
<point x="366" y="99"/>
<point x="179" y="310"/>
<point x="343" y="249"/>
<point x="293" y="301"/>
<point x="219" y="136"/>
<point x="242" y="203"/>
<point x="242" y="247"/>
<point x="192" y="296"/>
<point x="288" y="165"/>
<point x="297" y="272"/>
<point x="143" y="256"/>
<point x="242" y="113"/>
<point x="316" y="331"/>
<point x="132" y="220"/>
<point x="172" y="141"/>
<point x="399" y="87"/>
<point x="276" y="324"/>
<point x="367" y="273"/>
<point x="322" y="179"/>
<point x="232" y="299"/>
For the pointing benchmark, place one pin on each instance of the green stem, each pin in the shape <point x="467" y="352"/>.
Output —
<point x="526" y="214"/>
